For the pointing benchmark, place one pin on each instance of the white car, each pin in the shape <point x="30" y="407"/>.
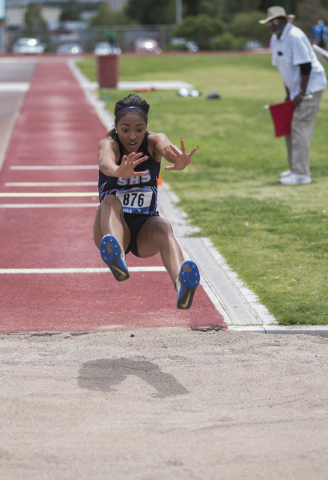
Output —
<point x="184" y="44"/>
<point x="29" y="45"/>
<point x="146" y="45"/>
<point x="105" y="48"/>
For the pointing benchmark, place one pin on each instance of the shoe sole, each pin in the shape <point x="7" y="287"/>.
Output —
<point x="189" y="278"/>
<point x="110" y="252"/>
<point x="307" y="182"/>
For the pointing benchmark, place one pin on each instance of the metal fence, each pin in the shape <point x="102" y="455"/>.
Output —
<point x="89" y="37"/>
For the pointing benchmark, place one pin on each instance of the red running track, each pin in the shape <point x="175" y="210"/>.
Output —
<point x="47" y="227"/>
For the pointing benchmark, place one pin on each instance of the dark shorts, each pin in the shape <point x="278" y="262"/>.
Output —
<point x="135" y="222"/>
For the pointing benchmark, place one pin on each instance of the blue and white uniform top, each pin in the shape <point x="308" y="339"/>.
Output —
<point x="138" y="195"/>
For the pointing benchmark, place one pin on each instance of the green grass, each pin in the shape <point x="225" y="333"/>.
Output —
<point x="275" y="237"/>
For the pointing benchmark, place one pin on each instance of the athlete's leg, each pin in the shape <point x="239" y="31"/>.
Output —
<point x="110" y="219"/>
<point x="156" y="235"/>
<point x="112" y="236"/>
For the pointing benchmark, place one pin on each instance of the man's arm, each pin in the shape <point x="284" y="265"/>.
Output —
<point x="305" y="75"/>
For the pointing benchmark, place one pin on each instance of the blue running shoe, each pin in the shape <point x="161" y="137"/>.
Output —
<point x="186" y="284"/>
<point x="113" y="255"/>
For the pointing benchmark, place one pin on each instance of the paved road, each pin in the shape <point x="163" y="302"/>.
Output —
<point x="13" y="78"/>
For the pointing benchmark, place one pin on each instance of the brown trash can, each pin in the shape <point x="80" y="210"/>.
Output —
<point x="108" y="71"/>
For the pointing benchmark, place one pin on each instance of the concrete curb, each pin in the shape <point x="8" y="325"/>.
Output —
<point x="279" y="330"/>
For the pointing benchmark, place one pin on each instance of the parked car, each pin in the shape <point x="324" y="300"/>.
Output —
<point x="105" y="48"/>
<point x="183" y="44"/>
<point x="29" y="45"/>
<point x="69" y="49"/>
<point x="253" y="45"/>
<point x="146" y="45"/>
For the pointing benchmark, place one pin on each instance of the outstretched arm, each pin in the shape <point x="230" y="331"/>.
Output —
<point x="172" y="154"/>
<point x="108" y="156"/>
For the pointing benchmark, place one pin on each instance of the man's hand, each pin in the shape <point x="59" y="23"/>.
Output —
<point x="179" y="159"/>
<point x="297" y="100"/>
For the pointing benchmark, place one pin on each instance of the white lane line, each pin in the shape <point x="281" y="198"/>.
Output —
<point x="54" y="167"/>
<point x="48" y="205"/>
<point x="50" y="184"/>
<point x="47" y="194"/>
<point x="14" y="86"/>
<point x="4" y="271"/>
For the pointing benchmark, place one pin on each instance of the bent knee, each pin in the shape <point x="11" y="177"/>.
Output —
<point x="111" y="201"/>
<point x="163" y="228"/>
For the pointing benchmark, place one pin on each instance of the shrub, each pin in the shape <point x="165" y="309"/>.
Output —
<point x="227" y="41"/>
<point x="200" y="29"/>
<point x="247" y="25"/>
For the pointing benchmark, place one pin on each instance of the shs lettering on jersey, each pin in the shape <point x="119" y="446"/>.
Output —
<point x="138" y="195"/>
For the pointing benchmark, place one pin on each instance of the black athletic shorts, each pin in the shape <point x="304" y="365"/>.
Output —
<point x="135" y="222"/>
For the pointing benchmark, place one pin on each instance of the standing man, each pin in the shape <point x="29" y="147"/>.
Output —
<point x="320" y="34"/>
<point x="305" y="79"/>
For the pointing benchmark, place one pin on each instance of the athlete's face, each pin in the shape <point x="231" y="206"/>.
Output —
<point x="131" y="130"/>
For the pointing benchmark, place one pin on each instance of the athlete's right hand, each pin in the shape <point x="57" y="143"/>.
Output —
<point x="129" y="162"/>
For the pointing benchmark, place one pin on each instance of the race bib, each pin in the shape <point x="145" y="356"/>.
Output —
<point x="135" y="200"/>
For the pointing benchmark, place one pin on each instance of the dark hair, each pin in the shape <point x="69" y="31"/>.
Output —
<point x="126" y="105"/>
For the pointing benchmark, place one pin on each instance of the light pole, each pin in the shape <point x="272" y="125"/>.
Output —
<point x="2" y="24"/>
<point x="178" y="13"/>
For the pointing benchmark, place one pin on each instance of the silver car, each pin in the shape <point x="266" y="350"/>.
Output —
<point x="69" y="49"/>
<point x="28" y="45"/>
<point x="105" y="48"/>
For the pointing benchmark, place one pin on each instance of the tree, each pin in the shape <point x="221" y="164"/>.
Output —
<point x="247" y="25"/>
<point x="308" y="14"/>
<point x="35" y="24"/>
<point x="33" y="18"/>
<point x="231" y="7"/>
<point x="289" y="5"/>
<point x="200" y="29"/>
<point x="150" y="12"/>
<point x="191" y="7"/>
<point x="105" y="17"/>
<point x="69" y="12"/>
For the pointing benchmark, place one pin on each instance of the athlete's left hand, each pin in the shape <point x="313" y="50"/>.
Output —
<point x="179" y="159"/>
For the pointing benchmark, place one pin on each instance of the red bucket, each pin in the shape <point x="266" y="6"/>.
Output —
<point x="282" y="115"/>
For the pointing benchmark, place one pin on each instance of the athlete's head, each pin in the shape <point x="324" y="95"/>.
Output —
<point x="131" y="118"/>
<point x="131" y="104"/>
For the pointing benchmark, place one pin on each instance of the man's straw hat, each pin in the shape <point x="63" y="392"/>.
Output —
<point x="275" y="12"/>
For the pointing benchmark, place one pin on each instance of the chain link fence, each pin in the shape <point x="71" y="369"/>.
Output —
<point x="89" y="37"/>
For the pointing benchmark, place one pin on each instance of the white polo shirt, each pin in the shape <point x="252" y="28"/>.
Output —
<point x="291" y="50"/>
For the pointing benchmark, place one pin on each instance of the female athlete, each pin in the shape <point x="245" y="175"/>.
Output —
<point x="127" y="219"/>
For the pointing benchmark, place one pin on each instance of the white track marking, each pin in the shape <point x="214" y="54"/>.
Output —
<point x="48" y="194"/>
<point x="20" y="271"/>
<point x="54" y="167"/>
<point x="48" y="205"/>
<point x="14" y="86"/>
<point x="50" y="184"/>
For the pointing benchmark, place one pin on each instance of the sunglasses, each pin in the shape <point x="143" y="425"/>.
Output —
<point x="274" y="22"/>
